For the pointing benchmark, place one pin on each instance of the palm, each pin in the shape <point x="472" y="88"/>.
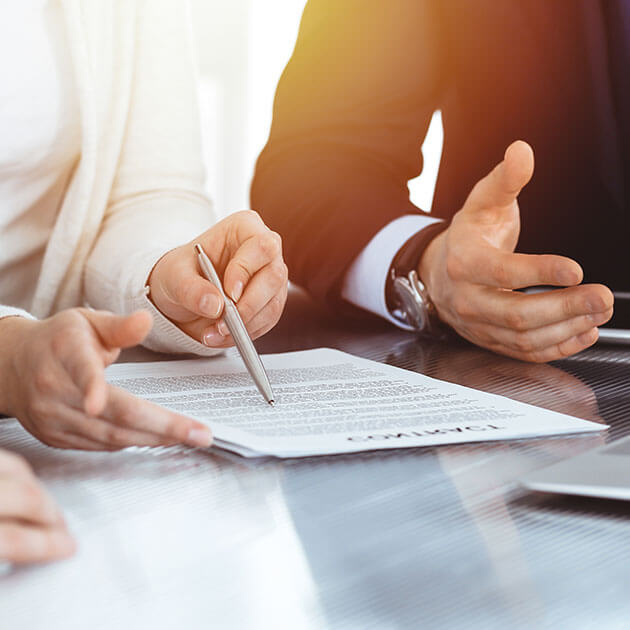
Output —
<point x="471" y="271"/>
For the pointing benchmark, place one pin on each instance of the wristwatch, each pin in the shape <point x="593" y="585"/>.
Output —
<point x="407" y="298"/>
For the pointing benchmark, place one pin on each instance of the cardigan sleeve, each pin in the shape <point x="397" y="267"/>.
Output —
<point x="157" y="200"/>
<point x="11" y="311"/>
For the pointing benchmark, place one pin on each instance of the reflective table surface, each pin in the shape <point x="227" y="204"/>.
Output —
<point x="438" y="537"/>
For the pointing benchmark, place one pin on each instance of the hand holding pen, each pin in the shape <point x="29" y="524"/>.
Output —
<point x="248" y="258"/>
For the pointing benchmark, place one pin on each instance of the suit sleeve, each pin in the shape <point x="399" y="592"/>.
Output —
<point x="350" y="115"/>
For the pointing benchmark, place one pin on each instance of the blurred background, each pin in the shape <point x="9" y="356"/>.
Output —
<point x="242" y="47"/>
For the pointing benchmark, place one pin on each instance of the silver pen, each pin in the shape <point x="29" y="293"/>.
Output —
<point x="238" y="331"/>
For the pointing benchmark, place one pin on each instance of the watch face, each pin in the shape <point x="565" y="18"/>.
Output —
<point x="410" y="305"/>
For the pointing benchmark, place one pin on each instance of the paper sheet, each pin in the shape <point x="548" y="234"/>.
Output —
<point x="328" y="401"/>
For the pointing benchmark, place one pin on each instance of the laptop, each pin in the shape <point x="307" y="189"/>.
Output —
<point x="603" y="472"/>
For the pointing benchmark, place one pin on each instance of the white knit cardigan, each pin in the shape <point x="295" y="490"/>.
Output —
<point x="138" y="188"/>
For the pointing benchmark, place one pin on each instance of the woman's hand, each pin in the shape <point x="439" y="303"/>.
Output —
<point x="32" y="528"/>
<point x="248" y="258"/>
<point x="53" y="382"/>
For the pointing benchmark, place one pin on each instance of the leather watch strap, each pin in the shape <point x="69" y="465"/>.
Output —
<point x="409" y="255"/>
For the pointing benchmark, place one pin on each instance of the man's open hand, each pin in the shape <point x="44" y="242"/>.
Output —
<point x="471" y="272"/>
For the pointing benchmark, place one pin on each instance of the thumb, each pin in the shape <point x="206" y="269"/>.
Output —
<point x="116" y="331"/>
<point x="502" y="185"/>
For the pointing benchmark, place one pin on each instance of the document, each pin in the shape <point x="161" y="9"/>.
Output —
<point x="328" y="402"/>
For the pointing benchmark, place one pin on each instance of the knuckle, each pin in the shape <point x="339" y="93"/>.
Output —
<point x="269" y="245"/>
<point x="69" y="318"/>
<point x="38" y="407"/>
<point x="524" y="343"/>
<point x="277" y="239"/>
<point x="500" y="273"/>
<point x="538" y="358"/>
<point x="461" y="307"/>
<point x="563" y="353"/>
<point x="276" y="306"/>
<point x="535" y="357"/>
<point x="240" y="268"/>
<point x="567" y="348"/>
<point x="249" y="216"/>
<point x="132" y="410"/>
<point x="45" y="383"/>
<point x="60" y="340"/>
<point x="515" y="320"/>
<point x="246" y="310"/>
<point x="279" y="274"/>
<point x="69" y="337"/>
<point x="253" y="216"/>
<point x="563" y="349"/>
<point x="128" y="413"/>
<point x="567" y="306"/>
<point x="480" y="336"/>
<point x="116" y="436"/>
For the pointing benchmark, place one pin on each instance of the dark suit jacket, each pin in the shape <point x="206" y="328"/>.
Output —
<point x="354" y="103"/>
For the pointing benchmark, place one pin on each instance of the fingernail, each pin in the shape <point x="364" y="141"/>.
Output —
<point x="213" y="338"/>
<point x="67" y="545"/>
<point x="54" y="514"/>
<point x="200" y="437"/>
<point x="599" y="318"/>
<point x="237" y="291"/>
<point x="595" y="305"/>
<point x="210" y="305"/>
<point x="223" y="329"/>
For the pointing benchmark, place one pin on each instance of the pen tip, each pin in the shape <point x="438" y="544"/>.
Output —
<point x="198" y="248"/>
<point x="272" y="403"/>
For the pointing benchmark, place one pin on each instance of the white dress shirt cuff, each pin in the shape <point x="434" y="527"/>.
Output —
<point x="10" y="311"/>
<point x="364" y="283"/>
